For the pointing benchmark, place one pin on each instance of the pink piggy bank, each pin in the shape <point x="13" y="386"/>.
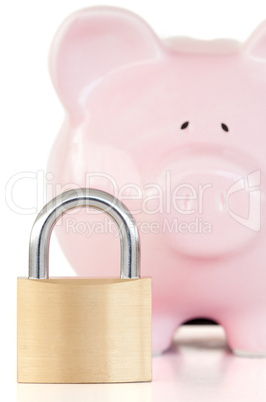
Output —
<point x="175" y="129"/>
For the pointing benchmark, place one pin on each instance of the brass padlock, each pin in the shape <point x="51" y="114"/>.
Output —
<point x="84" y="330"/>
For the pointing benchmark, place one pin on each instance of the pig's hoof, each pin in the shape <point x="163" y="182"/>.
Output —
<point x="249" y="354"/>
<point x="157" y="353"/>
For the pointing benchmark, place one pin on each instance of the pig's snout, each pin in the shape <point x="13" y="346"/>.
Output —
<point x="213" y="205"/>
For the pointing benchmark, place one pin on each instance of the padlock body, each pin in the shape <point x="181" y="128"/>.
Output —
<point x="84" y="330"/>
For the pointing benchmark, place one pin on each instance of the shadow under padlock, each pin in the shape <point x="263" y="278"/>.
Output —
<point x="80" y="330"/>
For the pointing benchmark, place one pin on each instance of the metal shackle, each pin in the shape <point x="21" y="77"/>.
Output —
<point x="58" y="206"/>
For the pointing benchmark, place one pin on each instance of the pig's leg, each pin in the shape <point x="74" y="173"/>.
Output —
<point x="246" y="333"/>
<point x="163" y="329"/>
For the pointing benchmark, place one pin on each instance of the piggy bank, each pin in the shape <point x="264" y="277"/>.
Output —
<point x="175" y="129"/>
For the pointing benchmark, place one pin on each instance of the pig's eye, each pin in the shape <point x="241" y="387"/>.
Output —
<point x="224" y="127"/>
<point x="184" y="125"/>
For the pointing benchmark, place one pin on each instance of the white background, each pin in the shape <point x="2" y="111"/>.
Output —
<point x="31" y="115"/>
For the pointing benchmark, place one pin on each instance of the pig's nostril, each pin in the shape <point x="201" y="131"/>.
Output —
<point x="184" y="125"/>
<point x="224" y="127"/>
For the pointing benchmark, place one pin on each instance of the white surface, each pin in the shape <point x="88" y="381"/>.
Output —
<point x="198" y="367"/>
<point x="29" y="121"/>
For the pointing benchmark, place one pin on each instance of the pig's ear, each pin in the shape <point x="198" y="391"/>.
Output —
<point x="91" y="43"/>
<point x="255" y="46"/>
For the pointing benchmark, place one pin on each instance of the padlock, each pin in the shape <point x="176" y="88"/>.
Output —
<point x="84" y="330"/>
